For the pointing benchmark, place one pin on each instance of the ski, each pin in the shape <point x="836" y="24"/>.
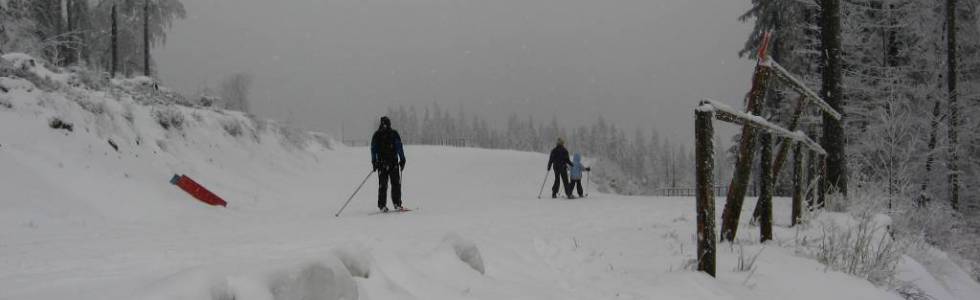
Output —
<point x="393" y="211"/>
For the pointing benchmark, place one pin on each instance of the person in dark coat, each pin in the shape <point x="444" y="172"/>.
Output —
<point x="559" y="160"/>
<point x="388" y="159"/>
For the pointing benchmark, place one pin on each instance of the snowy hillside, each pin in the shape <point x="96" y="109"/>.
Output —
<point x="88" y="213"/>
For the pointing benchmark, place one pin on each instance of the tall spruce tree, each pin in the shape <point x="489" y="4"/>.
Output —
<point x="832" y="91"/>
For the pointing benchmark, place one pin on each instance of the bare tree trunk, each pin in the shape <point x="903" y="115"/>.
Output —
<point x="146" y="38"/>
<point x="766" y="184"/>
<point x="832" y="91"/>
<point x="704" y="157"/>
<point x="798" y="185"/>
<point x="924" y="197"/>
<point x="115" y="41"/>
<point x="69" y="30"/>
<point x="951" y="81"/>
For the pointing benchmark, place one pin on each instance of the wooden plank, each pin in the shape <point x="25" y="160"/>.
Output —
<point x="798" y="86"/>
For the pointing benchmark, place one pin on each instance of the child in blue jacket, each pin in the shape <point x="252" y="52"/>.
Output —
<point x="576" y="173"/>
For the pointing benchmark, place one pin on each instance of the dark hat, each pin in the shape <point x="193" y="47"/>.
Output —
<point x="385" y="122"/>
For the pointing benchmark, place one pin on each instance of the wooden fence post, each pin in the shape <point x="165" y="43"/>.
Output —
<point x="784" y="146"/>
<point x="743" y="163"/>
<point x="704" y="156"/>
<point x="798" y="185"/>
<point x="766" y="187"/>
<point x="746" y="147"/>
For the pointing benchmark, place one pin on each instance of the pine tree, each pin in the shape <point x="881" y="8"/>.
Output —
<point x="951" y="80"/>
<point x="146" y="38"/>
<point x="115" y="41"/>
<point x="832" y="91"/>
<point x="141" y="25"/>
<point x="19" y="29"/>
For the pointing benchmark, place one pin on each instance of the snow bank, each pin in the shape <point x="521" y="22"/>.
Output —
<point x="466" y="251"/>
<point x="325" y="278"/>
<point x="80" y="139"/>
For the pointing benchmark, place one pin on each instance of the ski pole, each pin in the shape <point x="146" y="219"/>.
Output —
<point x="587" y="175"/>
<point x="355" y="193"/>
<point x="543" y="182"/>
<point x="401" y="181"/>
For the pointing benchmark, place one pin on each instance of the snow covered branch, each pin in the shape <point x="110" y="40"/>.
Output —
<point x="728" y="114"/>
<point x="801" y="88"/>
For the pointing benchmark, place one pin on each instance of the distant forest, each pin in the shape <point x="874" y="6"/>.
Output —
<point x="647" y="159"/>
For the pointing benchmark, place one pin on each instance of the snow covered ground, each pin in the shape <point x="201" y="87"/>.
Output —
<point x="80" y="219"/>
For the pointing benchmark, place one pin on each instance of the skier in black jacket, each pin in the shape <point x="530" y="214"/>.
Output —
<point x="559" y="160"/>
<point x="388" y="158"/>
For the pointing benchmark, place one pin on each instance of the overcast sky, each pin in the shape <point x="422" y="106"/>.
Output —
<point x="324" y="64"/>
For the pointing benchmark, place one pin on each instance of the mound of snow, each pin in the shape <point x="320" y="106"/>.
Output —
<point x="466" y="251"/>
<point x="325" y="278"/>
<point x="355" y="259"/>
<point x="29" y="63"/>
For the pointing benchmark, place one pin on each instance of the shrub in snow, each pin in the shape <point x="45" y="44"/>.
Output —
<point x="232" y="127"/>
<point x="323" y="139"/>
<point x="113" y="145"/>
<point x="169" y="117"/>
<point x="295" y="137"/>
<point x="864" y="249"/>
<point x="91" y="105"/>
<point x="8" y="84"/>
<point x="466" y="251"/>
<point x="31" y="65"/>
<point x="92" y="79"/>
<point x="208" y="101"/>
<point x="146" y="90"/>
<point x="56" y="123"/>
<point x="745" y="262"/>
<point x="932" y="224"/>
<point x="19" y="71"/>
<point x="911" y="292"/>
<point x="5" y="103"/>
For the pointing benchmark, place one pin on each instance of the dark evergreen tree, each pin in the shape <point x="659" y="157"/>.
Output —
<point x="833" y="131"/>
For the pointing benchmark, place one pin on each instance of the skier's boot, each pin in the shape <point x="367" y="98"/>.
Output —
<point x="384" y="209"/>
<point x="399" y="208"/>
<point x="554" y="196"/>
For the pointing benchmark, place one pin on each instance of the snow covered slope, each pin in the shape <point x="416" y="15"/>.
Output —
<point x="83" y="219"/>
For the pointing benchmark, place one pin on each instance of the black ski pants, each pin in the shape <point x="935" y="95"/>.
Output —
<point x="577" y="185"/>
<point x="562" y="175"/>
<point x="389" y="173"/>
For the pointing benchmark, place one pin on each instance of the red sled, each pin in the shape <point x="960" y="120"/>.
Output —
<point x="195" y="189"/>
